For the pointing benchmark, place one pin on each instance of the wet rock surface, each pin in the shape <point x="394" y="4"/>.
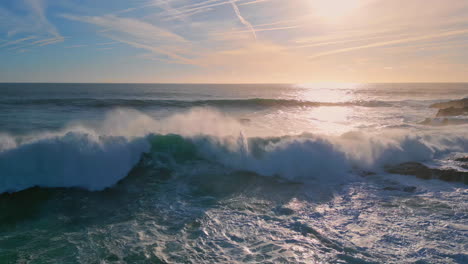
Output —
<point x="423" y="172"/>
<point x="462" y="159"/>
<point x="443" y="121"/>
<point x="452" y="111"/>
<point x="408" y="189"/>
<point x="452" y="104"/>
<point x="452" y="108"/>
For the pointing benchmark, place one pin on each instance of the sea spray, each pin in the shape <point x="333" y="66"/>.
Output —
<point x="98" y="157"/>
<point x="72" y="160"/>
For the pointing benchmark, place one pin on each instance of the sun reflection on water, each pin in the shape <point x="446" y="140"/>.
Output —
<point x="327" y="92"/>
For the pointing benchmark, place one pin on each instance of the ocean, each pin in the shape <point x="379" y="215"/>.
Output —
<point x="230" y="173"/>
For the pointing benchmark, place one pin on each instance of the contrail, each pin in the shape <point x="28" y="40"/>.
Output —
<point x="242" y="19"/>
<point x="393" y="42"/>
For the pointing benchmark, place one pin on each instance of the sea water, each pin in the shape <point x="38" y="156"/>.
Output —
<point x="213" y="173"/>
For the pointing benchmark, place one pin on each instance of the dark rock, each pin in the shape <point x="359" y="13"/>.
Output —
<point x="452" y="108"/>
<point x="452" y="111"/>
<point x="284" y="211"/>
<point x="443" y="121"/>
<point x="423" y="172"/>
<point x="463" y="103"/>
<point x="244" y="121"/>
<point x="363" y="173"/>
<point x="367" y="173"/>
<point x="409" y="189"/>
<point x="463" y="159"/>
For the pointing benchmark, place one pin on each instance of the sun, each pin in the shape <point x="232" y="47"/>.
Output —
<point x="334" y="9"/>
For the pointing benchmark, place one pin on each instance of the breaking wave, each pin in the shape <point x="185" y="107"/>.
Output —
<point x="97" y="158"/>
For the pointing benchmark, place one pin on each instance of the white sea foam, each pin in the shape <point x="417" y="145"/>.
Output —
<point x="6" y="142"/>
<point x="71" y="160"/>
<point x="98" y="157"/>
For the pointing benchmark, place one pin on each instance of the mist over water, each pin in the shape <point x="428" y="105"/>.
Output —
<point x="170" y="173"/>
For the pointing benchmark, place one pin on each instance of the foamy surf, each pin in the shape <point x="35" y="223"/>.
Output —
<point x="95" y="158"/>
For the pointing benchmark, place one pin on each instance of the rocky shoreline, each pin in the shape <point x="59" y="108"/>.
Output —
<point x="423" y="172"/>
<point x="452" y="108"/>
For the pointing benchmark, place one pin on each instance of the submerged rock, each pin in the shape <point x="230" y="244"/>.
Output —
<point x="423" y="172"/>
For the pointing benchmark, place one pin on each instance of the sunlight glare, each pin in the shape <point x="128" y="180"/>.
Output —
<point x="334" y="9"/>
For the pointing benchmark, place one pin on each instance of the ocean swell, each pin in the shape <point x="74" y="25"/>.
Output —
<point x="140" y="103"/>
<point x="98" y="158"/>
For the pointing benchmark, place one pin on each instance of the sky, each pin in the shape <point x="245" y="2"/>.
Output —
<point x="233" y="41"/>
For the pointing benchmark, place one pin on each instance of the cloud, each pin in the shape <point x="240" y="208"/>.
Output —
<point x="140" y="34"/>
<point x="173" y="12"/>
<point x="393" y="42"/>
<point x="38" y="8"/>
<point x="18" y="41"/>
<point x="107" y="43"/>
<point x="76" y="46"/>
<point x="242" y="19"/>
<point x="130" y="26"/>
<point x="32" y="20"/>
<point x="23" y="43"/>
<point x="292" y="41"/>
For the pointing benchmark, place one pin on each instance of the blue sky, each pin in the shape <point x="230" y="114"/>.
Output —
<point x="233" y="41"/>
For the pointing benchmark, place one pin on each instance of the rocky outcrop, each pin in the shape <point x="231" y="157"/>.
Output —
<point x="462" y="159"/>
<point x="463" y="162"/>
<point x="452" y="111"/>
<point x="423" y="172"/>
<point x="444" y="121"/>
<point x="455" y="104"/>
<point x="452" y="108"/>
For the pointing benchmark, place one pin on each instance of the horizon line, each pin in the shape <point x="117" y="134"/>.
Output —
<point x="242" y="83"/>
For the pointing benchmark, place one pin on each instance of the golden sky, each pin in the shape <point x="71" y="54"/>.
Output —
<point x="235" y="41"/>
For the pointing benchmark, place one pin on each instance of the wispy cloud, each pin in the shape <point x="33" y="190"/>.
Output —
<point x="258" y="30"/>
<point x="255" y="2"/>
<point x="217" y="35"/>
<point x="76" y="46"/>
<point x="242" y="19"/>
<point x="157" y="50"/>
<point x="48" y="41"/>
<point x="133" y="27"/>
<point x="38" y="43"/>
<point x="206" y="5"/>
<point x="173" y="13"/>
<point x="139" y="34"/>
<point x="38" y="9"/>
<point x="18" y="41"/>
<point x="107" y="43"/>
<point x="33" y="20"/>
<point x="393" y="42"/>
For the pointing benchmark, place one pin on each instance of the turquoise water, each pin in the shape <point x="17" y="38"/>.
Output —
<point x="132" y="173"/>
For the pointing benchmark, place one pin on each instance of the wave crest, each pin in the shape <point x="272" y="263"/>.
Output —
<point x="96" y="158"/>
<point x="72" y="160"/>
